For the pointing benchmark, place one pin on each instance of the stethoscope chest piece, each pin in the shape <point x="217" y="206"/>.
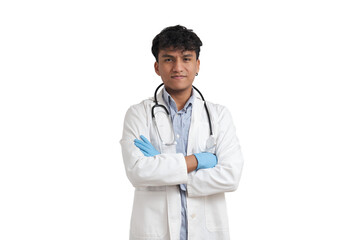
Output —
<point x="211" y="142"/>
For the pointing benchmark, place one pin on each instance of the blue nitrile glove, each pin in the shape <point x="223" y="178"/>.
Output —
<point x="205" y="160"/>
<point x="145" y="147"/>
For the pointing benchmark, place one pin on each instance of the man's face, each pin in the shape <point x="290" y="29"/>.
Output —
<point x="177" y="68"/>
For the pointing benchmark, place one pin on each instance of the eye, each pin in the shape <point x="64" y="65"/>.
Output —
<point x="187" y="59"/>
<point x="167" y="60"/>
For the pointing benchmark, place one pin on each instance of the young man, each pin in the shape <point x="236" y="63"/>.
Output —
<point x="180" y="153"/>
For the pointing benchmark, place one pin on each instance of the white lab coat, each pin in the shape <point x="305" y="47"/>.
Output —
<point x="156" y="213"/>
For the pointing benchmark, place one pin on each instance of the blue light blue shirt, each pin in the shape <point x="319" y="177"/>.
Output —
<point x="181" y="124"/>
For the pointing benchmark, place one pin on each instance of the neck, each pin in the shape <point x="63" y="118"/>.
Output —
<point x="180" y="97"/>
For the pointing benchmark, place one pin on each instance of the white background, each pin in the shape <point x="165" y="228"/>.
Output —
<point x="287" y="70"/>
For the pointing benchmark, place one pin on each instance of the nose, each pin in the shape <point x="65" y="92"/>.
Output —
<point x="177" y="66"/>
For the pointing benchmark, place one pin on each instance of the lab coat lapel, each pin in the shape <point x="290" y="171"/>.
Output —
<point x="195" y="118"/>
<point x="164" y="125"/>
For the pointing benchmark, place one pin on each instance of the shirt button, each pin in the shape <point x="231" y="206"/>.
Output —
<point x="177" y="136"/>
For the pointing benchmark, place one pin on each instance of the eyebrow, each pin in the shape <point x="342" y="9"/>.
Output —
<point x="171" y="56"/>
<point x="167" y="56"/>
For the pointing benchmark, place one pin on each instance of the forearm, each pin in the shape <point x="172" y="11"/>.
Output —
<point x="224" y="177"/>
<point x="191" y="163"/>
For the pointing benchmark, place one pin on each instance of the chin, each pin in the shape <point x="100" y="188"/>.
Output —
<point x="178" y="88"/>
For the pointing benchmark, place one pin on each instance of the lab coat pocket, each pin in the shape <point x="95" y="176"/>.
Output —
<point x="149" y="215"/>
<point x="216" y="213"/>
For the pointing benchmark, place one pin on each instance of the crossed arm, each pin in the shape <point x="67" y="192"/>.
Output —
<point x="173" y="168"/>
<point x="193" y="162"/>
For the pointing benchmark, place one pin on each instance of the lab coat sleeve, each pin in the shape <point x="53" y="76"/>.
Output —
<point x="160" y="170"/>
<point x="225" y="176"/>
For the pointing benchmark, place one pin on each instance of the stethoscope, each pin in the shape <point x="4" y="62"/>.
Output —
<point x="210" y="143"/>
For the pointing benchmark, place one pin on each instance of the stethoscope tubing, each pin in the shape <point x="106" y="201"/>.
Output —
<point x="159" y="105"/>
<point x="206" y="109"/>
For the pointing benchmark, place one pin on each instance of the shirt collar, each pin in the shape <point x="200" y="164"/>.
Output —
<point x="170" y="101"/>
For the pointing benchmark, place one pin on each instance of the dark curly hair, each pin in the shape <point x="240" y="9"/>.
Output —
<point x="177" y="37"/>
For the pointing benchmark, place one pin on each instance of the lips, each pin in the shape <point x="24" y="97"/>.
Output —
<point x="178" y="77"/>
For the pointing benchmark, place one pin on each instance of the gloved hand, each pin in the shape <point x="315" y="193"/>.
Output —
<point x="205" y="160"/>
<point x="145" y="147"/>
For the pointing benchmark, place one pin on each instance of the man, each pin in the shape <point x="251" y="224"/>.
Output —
<point x="181" y="155"/>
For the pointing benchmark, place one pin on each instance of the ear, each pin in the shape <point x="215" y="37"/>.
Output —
<point x="156" y="67"/>
<point x="197" y="65"/>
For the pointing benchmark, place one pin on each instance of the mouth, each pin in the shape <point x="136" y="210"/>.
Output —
<point x="178" y="77"/>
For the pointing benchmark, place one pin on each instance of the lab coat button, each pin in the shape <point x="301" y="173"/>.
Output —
<point x="193" y="215"/>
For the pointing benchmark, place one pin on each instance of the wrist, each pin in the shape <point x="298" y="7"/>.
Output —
<point x="191" y="163"/>
<point x="198" y="160"/>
